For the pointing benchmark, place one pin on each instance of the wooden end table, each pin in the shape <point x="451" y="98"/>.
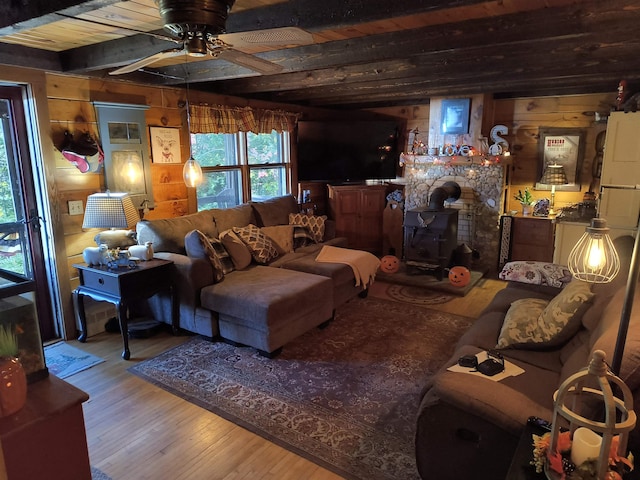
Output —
<point x="121" y="286"/>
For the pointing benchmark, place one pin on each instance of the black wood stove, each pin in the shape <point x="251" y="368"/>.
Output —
<point x="431" y="234"/>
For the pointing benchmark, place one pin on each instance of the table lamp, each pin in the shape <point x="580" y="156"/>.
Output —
<point x="110" y="210"/>
<point x="554" y="175"/>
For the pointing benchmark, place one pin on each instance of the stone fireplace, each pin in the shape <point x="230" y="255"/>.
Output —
<point x="482" y="183"/>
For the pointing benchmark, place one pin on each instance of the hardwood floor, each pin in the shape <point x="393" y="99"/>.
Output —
<point x="137" y="431"/>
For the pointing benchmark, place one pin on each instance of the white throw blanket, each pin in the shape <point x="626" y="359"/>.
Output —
<point x="364" y="264"/>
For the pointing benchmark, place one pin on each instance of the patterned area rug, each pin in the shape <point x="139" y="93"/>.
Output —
<point x="408" y="294"/>
<point x="97" y="474"/>
<point x="63" y="360"/>
<point x="345" y="396"/>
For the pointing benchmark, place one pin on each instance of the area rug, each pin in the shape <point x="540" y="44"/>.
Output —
<point x="97" y="474"/>
<point x="409" y="294"/>
<point x="425" y="280"/>
<point x="64" y="360"/>
<point x="344" y="397"/>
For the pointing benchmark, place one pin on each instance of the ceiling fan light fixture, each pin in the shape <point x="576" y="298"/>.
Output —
<point x="196" y="46"/>
<point x="183" y="16"/>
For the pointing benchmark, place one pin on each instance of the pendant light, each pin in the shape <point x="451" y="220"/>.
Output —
<point x="191" y="172"/>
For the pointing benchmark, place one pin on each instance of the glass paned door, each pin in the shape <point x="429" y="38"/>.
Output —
<point x="25" y="299"/>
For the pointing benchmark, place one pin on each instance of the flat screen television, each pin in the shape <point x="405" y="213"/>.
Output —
<point x="347" y="151"/>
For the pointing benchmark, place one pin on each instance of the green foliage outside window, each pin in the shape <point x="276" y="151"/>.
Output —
<point x="223" y="163"/>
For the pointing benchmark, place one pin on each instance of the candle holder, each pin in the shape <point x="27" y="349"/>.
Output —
<point x="597" y="420"/>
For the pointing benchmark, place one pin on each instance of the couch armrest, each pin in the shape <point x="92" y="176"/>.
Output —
<point x="190" y="273"/>
<point x="189" y="277"/>
<point x="495" y="402"/>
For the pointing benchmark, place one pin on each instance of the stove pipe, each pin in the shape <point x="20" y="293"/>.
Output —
<point x="448" y="191"/>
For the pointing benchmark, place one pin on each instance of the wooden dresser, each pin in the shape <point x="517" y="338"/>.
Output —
<point x="527" y="238"/>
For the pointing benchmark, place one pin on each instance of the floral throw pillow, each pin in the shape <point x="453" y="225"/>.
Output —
<point x="532" y="323"/>
<point x="536" y="273"/>
<point x="262" y="248"/>
<point x="314" y="223"/>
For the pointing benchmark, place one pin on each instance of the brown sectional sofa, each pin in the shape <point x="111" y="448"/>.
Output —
<point x="468" y="426"/>
<point x="263" y="306"/>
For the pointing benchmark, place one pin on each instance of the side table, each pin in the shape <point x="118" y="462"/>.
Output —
<point x="121" y="286"/>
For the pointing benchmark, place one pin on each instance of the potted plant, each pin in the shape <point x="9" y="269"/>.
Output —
<point x="13" y="379"/>
<point x="526" y="200"/>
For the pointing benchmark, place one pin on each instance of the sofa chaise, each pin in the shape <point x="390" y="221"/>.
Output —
<point x="468" y="426"/>
<point x="256" y="292"/>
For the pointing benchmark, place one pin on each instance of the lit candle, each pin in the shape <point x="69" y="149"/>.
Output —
<point x="585" y="445"/>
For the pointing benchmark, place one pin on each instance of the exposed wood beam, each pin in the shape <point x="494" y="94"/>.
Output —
<point x="18" y="16"/>
<point x="20" y="56"/>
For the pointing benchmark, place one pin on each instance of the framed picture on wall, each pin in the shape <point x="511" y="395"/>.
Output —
<point x="561" y="146"/>
<point x="165" y="145"/>
<point x="455" y="116"/>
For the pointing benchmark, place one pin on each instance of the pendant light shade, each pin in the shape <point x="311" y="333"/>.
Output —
<point x="594" y="258"/>
<point x="192" y="173"/>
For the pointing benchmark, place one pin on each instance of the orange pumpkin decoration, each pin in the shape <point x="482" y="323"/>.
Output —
<point x="459" y="276"/>
<point x="389" y="264"/>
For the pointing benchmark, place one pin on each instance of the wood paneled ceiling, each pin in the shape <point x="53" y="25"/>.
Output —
<point x="364" y="52"/>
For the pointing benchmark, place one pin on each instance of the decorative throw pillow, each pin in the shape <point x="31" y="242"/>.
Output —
<point x="262" y="248"/>
<point x="536" y="273"/>
<point x="314" y="223"/>
<point x="520" y="324"/>
<point x="239" y="252"/>
<point x="198" y="245"/>
<point x="302" y="237"/>
<point x="537" y="324"/>
<point x="282" y="236"/>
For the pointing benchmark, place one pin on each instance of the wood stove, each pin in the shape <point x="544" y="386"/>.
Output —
<point x="431" y="234"/>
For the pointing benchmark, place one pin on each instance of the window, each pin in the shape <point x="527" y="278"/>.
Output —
<point x="241" y="167"/>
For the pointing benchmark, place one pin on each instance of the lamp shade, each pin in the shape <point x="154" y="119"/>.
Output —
<point x="594" y="258"/>
<point x="554" y="175"/>
<point x="110" y="210"/>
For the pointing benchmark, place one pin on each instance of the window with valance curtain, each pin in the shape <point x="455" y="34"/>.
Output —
<point x="244" y="153"/>
<point x="224" y="119"/>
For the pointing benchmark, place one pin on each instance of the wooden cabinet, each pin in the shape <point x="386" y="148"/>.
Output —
<point x="46" y="439"/>
<point x="357" y="211"/>
<point x="530" y="238"/>
<point x="621" y="167"/>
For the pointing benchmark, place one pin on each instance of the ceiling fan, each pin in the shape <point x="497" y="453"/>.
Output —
<point x="200" y="25"/>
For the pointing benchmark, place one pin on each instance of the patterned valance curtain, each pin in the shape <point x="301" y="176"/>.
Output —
<point x="223" y="119"/>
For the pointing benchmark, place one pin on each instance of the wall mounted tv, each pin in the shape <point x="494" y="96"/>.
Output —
<point x="347" y="151"/>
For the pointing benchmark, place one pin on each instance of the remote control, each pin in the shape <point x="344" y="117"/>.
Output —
<point x="539" y="422"/>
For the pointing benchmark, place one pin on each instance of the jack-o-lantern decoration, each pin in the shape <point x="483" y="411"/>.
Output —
<point x="459" y="276"/>
<point x="389" y="264"/>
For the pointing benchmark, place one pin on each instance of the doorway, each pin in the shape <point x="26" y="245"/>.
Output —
<point x="24" y="284"/>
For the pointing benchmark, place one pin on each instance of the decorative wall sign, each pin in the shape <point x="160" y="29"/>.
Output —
<point x="165" y="145"/>
<point x="455" y="116"/>
<point x="561" y="146"/>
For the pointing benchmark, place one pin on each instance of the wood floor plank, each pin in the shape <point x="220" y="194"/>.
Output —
<point x="136" y="431"/>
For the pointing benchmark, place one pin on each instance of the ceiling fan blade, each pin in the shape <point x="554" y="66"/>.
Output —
<point x="143" y="62"/>
<point x="274" y="36"/>
<point x="251" y="62"/>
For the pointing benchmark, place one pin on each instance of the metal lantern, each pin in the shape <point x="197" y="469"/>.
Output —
<point x="593" y="388"/>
